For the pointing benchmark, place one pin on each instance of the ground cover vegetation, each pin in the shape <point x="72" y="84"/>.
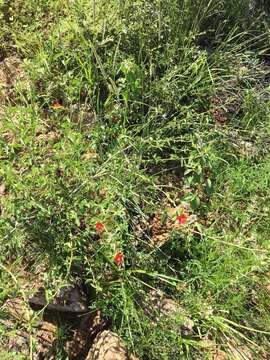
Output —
<point x="134" y="143"/>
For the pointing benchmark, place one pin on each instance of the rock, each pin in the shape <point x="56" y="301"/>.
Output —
<point x="48" y="137"/>
<point x="10" y="71"/>
<point x="45" y="336"/>
<point x="108" y="346"/>
<point x="43" y="333"/>
<point x="155" y="301"/>
<point x="19" y="343"/>
<point x="14" y="341"/>
<point x="68" y="308"/>
<point x="157" y="306"/>
<point x="3" y="84"/>
<point x="84" y="333"/>
<point x="85" y="330"/>
<point x="17" y="308"/>
<point x="70" y="299"/>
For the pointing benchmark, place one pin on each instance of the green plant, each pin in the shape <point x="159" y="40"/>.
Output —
<point x="119" y="118"/>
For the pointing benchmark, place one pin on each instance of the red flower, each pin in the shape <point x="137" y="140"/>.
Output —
<point x="100" y="227"/>
<point x="118" y="258"/>
<point x="182" y="218"/>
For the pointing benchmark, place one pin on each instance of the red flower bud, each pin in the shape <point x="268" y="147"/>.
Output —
<point x="100" y="227"/>
<point x="182" y="218"/>
<point x="119" y="258"/>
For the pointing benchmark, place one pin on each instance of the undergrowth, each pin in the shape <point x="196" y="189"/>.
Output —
<point x="124" y="110"/>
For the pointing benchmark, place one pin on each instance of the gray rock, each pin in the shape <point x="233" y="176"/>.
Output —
<point x="70" y="299"/>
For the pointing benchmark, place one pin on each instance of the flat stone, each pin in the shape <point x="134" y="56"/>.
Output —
<point x="70" y="299"/>
<point x="108" y="346"/>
